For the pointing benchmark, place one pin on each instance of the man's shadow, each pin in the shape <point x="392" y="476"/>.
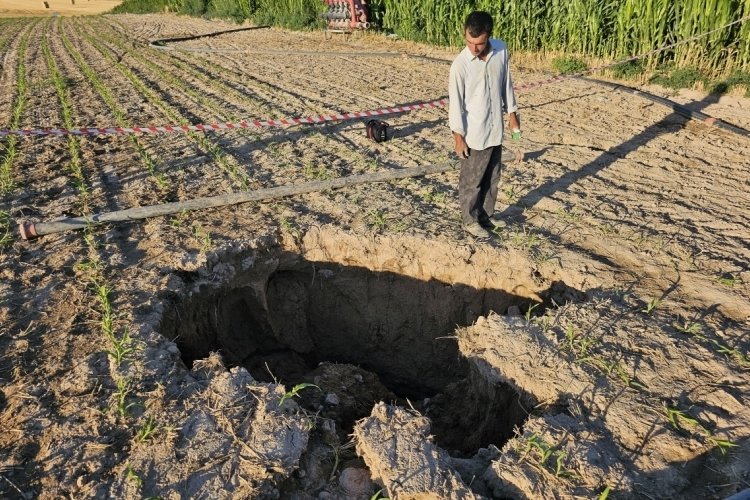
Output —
<point x="671" y="123"/>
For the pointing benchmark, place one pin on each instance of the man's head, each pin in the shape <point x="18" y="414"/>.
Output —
<point x="477" y="32"/>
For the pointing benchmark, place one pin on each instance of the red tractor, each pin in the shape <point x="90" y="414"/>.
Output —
<point x="346" y="15"/>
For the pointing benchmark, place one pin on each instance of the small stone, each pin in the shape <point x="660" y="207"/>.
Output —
<point x="359" y="378"/>
<point x="332" y="399"/>
<point x="355" y="481"/>
<point x="324" y="495"/>
<point x="172" y="348"/>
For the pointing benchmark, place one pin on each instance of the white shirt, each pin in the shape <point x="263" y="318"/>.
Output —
<point x="479" y="92"/>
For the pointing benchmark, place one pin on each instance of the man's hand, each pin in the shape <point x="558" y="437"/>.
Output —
<point x="515" y="126"/>
<point x="462" y="149"/>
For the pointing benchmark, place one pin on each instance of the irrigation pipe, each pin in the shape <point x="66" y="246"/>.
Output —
<point x="30" y="230"/>
<point x="158" y="43"/>
<point x="677" y="108"/>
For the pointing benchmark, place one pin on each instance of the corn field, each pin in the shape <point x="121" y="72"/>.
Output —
<point x="609" y="29"/>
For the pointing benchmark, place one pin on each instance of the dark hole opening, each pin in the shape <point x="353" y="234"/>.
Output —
<point x="361" y="336"/>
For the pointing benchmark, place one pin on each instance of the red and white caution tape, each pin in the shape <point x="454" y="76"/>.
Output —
<point x="323" y="118"/>
<point x="223" y="126"/>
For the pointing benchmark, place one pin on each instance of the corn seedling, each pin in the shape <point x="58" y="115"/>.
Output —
<point x="727" y="280"/>
<point x="651" y="306"/>
<point x="132" y="475"/>
<point x="730" y="352"/>
<point x="534" y="443"/>
<point x="548" y="456"/>
<point x="179" y="219"/>
<point x="432" y="196"/>
<point x="525" y="239"/>
<point x="66" y="111"/>
<point x="121" y="397"/>
<point x="119" y="114"/>
<point x="19" y="106"/>
<point x="677" y="417"/>
<point x="723" y="445"/>
<point x="376" y="219"/>
<point x="294" y="392"/>
<point x="148" y="430"/>
<point x="290" y="228"/>
<point x="688" y="328"/>
<point x="105" y="308"/>
<point x="511" y="194"/>
<point x="318" y="173"/>
<point x="5" y="237"/>
<point x="529" y="310"/>
<point x="604" y="494"/>
<point x="122" y="347"/>
<point x="378" y="495"/>
<point x="204" y="237"/>
<point x="569" y="215"/>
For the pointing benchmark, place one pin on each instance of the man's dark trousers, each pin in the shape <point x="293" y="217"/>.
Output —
<point x="478" y="183"/>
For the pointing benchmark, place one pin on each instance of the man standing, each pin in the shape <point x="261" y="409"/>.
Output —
<point x="480" y="90"/>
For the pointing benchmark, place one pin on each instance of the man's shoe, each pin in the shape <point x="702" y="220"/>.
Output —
<point x="492" y="225"/>
<point x="475" y="229"/>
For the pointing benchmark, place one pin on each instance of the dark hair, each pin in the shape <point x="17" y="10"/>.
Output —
<point x="478" y="23"/>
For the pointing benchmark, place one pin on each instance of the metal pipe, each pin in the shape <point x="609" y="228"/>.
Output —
<point x="30" y="230"/>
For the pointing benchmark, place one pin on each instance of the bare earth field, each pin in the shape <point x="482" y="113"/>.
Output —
<point x="18" y="8"/>
<point x="350" y="341"/>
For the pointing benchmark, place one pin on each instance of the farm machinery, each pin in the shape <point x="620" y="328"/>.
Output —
<point x="346" y="15"/>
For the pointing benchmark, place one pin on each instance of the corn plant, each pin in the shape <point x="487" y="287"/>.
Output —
<point x="598" y="28"/>
<point x="147" y="430"/>
<point x="290" y="228"/>
<point x="19" y="106"/>
<point x="688" y="327"/>
<point x="294" y="392"/>
<point x="228" y="164"/>
<point x="121" y="397"/>
<point x="5" y="236"/>
<point x="682" y="423"/>
<point x="132" y="476"/>
<point x="204" y="237"/>
<point x="66" y="111"/>
<point x="122" y="347"/>
<point x="728" y="279"/>
<point x="547" y="456"/>
<point x="377" y="219"/>
<point x="651" y="306"/>
<point x="121" y="120"/>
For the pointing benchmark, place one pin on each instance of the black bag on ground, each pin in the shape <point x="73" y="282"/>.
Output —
<point x="377" y="130"/>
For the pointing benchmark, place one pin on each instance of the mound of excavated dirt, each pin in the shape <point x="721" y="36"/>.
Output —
<point x="345" y="342"/>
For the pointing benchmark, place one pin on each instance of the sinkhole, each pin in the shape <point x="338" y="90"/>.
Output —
<point x="360" y="335"/>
